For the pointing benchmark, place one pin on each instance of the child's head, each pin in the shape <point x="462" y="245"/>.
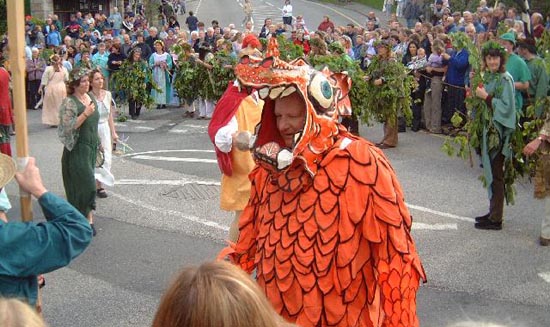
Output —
<point x="421" y="53"/>
<point x="438" y="46"/>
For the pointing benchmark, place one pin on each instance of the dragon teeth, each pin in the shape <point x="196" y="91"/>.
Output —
<point x="263" y="93"/>
<point x="289" y="90"/>
<point x="274" y="94"/>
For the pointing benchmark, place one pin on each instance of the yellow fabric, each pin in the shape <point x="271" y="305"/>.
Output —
<point x="235" y="189"/>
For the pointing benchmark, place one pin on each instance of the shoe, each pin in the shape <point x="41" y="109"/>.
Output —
<point x="482" y="218"/>
<point x="94" y="232"/>
<point x="101" y="193"/>
<point x="488" y="225"/>
<point x="544" y="241"/>
<point x="384" y="146"/>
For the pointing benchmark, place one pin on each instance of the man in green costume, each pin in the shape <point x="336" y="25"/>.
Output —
<point x="516" y="67"/>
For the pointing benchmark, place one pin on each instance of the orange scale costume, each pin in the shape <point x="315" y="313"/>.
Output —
<point x="326" y="226"/>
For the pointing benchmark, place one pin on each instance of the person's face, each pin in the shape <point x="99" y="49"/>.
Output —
<point x="290" y="115"/>
<point x="471" y="32"/>
<point x="493" y="63"/>
<point x="85" y="56"/>
<point x="136" y="56"/>
<point x="418" y="27"/>
<point x="268" y="22"/>
<point x="370" y="26"/>
<point x="152" y="32"/>
<point x="507" y="45"/>
<point x="84" y="85"/>
<point x="248" y="25"/>
<point x="326" y="19"/>
<point x="35" y="54"/>
<point x="97" y="81"/>
<point x="382" y="51"/>
<point x="101" y="48"/>
<point x="412" y="48"/>
<point x="158" y="47"/>
<point x="421" y="53"/>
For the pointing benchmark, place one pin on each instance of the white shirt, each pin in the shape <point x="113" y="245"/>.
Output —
<point x="287" y="11"/>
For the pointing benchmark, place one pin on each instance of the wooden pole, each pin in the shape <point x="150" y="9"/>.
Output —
<point x="16" y="44"/>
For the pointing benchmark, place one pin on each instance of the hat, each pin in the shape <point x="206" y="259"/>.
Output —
<point x="439" y="2"/>
<point x="510" y="37"/>
<point x="7" y="169"/>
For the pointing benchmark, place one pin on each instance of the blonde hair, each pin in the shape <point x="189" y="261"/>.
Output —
<point x="212" y="295"/>
<point x="15" y="313"/>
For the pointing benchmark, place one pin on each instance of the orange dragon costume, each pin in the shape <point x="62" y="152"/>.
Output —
<point x="326" y="226"/>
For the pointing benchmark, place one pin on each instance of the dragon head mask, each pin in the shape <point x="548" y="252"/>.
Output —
<point x="323" y="93"/>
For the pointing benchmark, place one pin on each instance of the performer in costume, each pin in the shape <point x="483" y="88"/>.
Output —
<point x="498" y="93"/>
<point x="542" y="175"/>
<point x="235" y="117"/>
<point x="326" y="227"/>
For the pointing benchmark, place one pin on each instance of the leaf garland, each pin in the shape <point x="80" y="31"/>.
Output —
<point x="222" y="72"/>
<point x="185" y="80"/>
<point x="132" y="78"/>
<point x="383" y="103"/>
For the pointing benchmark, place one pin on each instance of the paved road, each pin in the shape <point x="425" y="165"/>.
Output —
<point x="163" y="214"/>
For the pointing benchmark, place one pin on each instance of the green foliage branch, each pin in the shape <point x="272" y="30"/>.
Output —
<point x="132" y="79"/>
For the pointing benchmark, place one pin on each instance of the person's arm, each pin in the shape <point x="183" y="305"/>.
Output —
<point x="29" y="249"/>
<point x="224" y="136"/>
<point x="114" y="135"/>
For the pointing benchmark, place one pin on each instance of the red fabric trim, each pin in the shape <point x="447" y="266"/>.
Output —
<point x="225" y="110"/>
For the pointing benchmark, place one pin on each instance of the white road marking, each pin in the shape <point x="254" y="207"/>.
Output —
<point x="145" y="128"/>
<point x="174" y="159"/>
<point x="177" y="182"/>
<point x="178" y="131"/>
<point x="545" y="276"/>
<point x="195" y="219"/>
<point x="422" y="226"/>
<point x="167" y="151"/>
<point x="416" y="225"/>
<point x="334" y="10"/>
<point x="120" y="125"/>
<point x="439" y="213"/>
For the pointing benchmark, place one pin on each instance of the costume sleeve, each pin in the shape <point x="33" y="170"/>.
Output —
<point x="66" y="131"/>
<point x="224" y="136"/>
<point x="504" y="103"/>
<point x="46" y="75"/>
<point x="29" y="249"/>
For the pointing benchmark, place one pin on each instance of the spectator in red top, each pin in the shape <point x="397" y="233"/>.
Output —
<point x="538" y="27"/>
<point x="326" y="24"/>
<point x="301" y="41"/>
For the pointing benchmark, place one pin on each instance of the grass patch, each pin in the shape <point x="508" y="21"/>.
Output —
<point x="376" y="4"/>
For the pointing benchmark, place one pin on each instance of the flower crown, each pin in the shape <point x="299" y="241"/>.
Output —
<point x="492" y="47"/>
<point x="78" y="73"/>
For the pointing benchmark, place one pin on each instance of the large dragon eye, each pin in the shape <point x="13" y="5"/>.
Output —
<point x="320" y="92"/>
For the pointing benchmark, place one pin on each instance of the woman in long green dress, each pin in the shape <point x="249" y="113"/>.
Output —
<point x="78" y="133"/>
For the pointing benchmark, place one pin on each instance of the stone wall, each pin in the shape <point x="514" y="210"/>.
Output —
<point x="41" y="8"/>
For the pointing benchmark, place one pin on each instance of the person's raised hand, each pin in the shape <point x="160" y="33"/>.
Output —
<point x="29" y="179"/>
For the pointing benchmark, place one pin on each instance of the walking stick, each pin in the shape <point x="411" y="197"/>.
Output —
<point x="16" y="39"/>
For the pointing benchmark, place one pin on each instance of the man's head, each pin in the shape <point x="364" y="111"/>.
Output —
<point x="267" y="22"/>
<point x="508" y="41"/>
<point x="527" y="47"/>
<point x="153" y="31"/>
<point x="290" y="116"/>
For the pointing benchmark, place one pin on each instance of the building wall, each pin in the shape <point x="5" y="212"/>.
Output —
<point x="41" y="9"/>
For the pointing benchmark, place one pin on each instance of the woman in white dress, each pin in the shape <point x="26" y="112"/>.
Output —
<point x="53" y="80"/>
<point x="106" y="131"/>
